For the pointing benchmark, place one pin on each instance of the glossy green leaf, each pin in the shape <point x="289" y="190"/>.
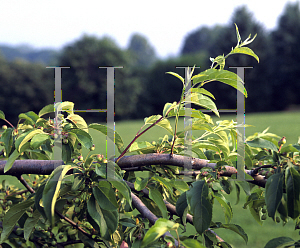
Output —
<point x="103" y="129"/>
<point x="123" y="188"/>
<point x="203" y="101"/>
<point x="157" y="198"/>
<point x="237" y="229"/>
<point x="29" y="116"/>
<point x="27" y="137"/>
<point x="12" y="158"/>
<point x="191" y="243"/>
<point x="280" y="242"/>
<point x="46" y="110"/>
<point x="2" y="115"/>
<point x="262" y="143"/>
<point x="168" y="107"/>
<point x="160" y="227"/>
<point x="12" y="217"/>
<point x="180" y="185"/>
<point x="245" y="50"/>
<point x="37" y="199"/>
<point x="7" y="138"/>
<point x="200" y="206"/>
<point x="203" y="91"/>
<point x="225" y="206"/>
<point x="65" y="106"/>
<point x="30" y="224"/>
<point x="164" y="182"/>
<point x="38" y="140"/>
<point x="274" y="191"/>
<point x="223" y="146"/>
<point x="182" y="112"/>
<point x="181" y="204"/>
<point x="164" y="123"/>
<point x="105" y="196"/>
<point x="176" y="75"/>
<point x="51" y="190"/>
<point x="224" y="76"/>
<point x="106" y="220"/>
<point x="140" y="183"/>
<point x="84" y="138"/>
<point x="140" y="145"/>
<point x="292" y="181"/>
<point x="78" y="121"/>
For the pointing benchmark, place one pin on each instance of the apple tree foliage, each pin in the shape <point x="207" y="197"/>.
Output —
<point x="73" y="202"/>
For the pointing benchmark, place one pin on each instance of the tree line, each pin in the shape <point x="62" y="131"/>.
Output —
<point x="142" y="87"/>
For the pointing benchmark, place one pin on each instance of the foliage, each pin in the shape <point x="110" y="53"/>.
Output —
<point x="79" y="203"/>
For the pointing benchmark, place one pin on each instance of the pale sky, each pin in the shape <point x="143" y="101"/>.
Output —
<point x="55" y="23"/>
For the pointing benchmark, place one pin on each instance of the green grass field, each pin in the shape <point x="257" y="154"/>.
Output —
<point x="281" y="123"/>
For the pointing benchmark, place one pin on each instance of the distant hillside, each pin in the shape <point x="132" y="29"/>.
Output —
<point x="45" y="56"/>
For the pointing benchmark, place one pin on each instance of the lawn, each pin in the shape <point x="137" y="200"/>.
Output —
<point x="281" y="123"/>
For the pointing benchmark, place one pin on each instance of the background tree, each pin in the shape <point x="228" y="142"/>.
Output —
<point x="86" y="85"/>
<point x="285" y="61"/>
<point x="143" y="53"/>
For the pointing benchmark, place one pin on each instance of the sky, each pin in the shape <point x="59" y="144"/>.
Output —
<point x="56" y="23"/>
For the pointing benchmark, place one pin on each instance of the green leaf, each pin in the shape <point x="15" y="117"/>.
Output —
<point x="168" y="107"/>
<point x="164" y="123"/>
<point x="7" y="138"/>
<point x="191" y="243"/>
<point x="237" y="229"/>
<point x="65" y="106"/>
<point x="292" y="181"/>
<point x="12" y="158"/>
<point x="157" y="198"/>
<point x="12" y="216"/>
<point x="27" y="137"/>
<point x="245" y="50"/>
<point x="30" y="224"/>
<point x="140" y="183"/>
<point x="103" y="129"/>
<point x="140" y="145"/>
<point x="279" y="242"/>
<point x="202" y="91"/>
<point x="224" y="76"/>
<point x="203" y="101"/>
<point x="123" y="188"/>
<point x="262" y="143"/>
<point x="29" y="116"/>
<point x="78" y="121"/>
<point x="84" y="138"/>
<point x="274" y="191"/>
<point x="51" y="190"/>
<point x="160" y="227"/>
<point x="181" y="204"/>
<point x="105" y="196"/>
<point x="38" y="140"/>
<point x="46" y="110"/>
<point x="200" y="206"/>
<point x="2" y="115"/>
<point x="238" y="36"/>
<point x="177" y="75"/>
<point x="226" y="207"/>
<point x="106" y="220"/>
<point x="164" y="182"/>
<point x="194" y="113"/>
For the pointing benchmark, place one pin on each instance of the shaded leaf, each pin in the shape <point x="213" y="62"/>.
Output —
<point x="46" y="110"/>
<point x="279" y="242"/>
<point x="156" y="197"/>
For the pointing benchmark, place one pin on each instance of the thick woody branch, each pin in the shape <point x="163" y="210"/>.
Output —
<point x="141" y="207"/>
<point x="45" y="167"/>
<point x="172" y="209"/>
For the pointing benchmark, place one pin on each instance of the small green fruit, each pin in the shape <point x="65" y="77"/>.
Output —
<point x="53" y="242"/>
<point x="77" y="209"/>
<point x="277" y="219"/>
<point x="4" y="127"/>
<point x="80" y="158"/>
<point x="9" y="203"/>
<point x="92" y="148"/>
<point x="1" y="201"/>
<point x="65" y="141"/>
<point x="76" y="200"/>
<point x="264" y="217"/>
<point x="264" y="210"/>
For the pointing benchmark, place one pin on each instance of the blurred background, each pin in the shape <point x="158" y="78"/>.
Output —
<point x="148" y="40"/>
